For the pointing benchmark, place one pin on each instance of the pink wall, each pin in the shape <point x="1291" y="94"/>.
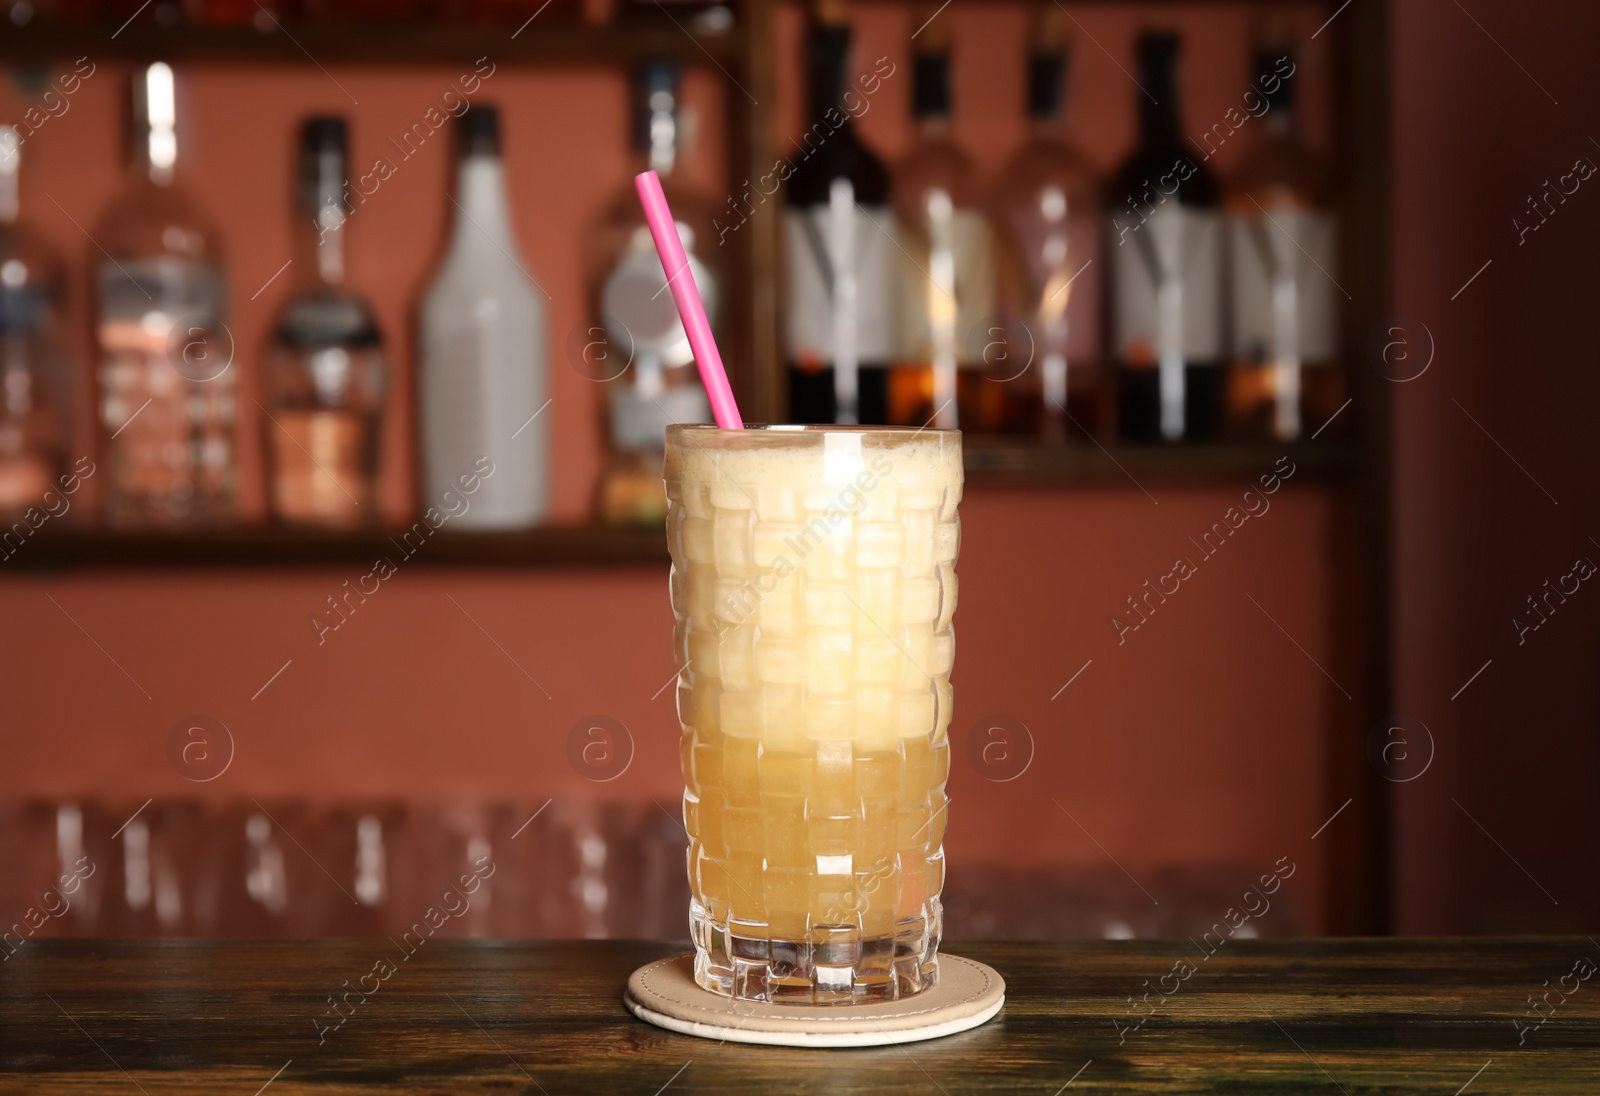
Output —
<point x="1474" y="534"/>
<point x="1197" y="741"/>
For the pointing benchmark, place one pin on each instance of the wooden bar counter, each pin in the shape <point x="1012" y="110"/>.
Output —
<point x="1480" y="1015"/>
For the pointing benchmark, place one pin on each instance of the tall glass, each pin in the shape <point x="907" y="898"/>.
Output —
<point x="813" y="582"/>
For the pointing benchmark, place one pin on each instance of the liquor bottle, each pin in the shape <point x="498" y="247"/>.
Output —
<point x="1049" y="210"/>
<point x="839" y="243"/>
<point x="33" y="371"/>
<point x="484" y="363"/>
<point x="1285" y="314"/>
<point x="946" y="261"/>
<point x="1166" y="241"/>
<point x="651" y="380"/>
<point x="326" y="372"/>
<point x="167" y="404"/>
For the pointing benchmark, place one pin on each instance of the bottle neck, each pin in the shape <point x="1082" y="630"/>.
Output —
<point x="154" y="154"/>
<point x="656" y="124"/>
<point x="10" y="170"/>
<point x="1158" y="107"/>
<point x="322" y="185"/>
<point x="660" y="155"/>
<point x="325" y="249"/>
<point x="156" y="123"/>
<point x="827" y="53"/>
<point x="1046" y="75"/>
<point x="930" y="91"/>
<point x="481" y="197"/>
<point x="161" y="156"/>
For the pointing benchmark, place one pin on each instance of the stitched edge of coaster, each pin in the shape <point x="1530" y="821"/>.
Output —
<point x="829" y="1015"/>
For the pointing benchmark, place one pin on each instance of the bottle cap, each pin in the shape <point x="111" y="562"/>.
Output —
<point x="478" y="131"/>
<point x="325" y="133"/>
<point x="1158" y="49"/>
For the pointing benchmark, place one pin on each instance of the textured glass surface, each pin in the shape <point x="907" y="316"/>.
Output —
<point x="813" y="584"/>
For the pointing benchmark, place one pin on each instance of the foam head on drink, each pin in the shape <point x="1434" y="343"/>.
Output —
<point x="813" y="585"/>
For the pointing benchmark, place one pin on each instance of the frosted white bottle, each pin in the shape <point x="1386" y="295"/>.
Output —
<point x="484" y="366"/>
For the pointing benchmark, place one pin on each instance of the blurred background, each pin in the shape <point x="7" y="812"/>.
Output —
<point x="335" y="366"/>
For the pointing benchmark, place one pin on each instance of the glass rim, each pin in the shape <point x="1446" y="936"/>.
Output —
<point x="814" y="428"/>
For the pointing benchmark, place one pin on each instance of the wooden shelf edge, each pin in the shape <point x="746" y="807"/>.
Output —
<point x="398" y="43"/>
<point x="1081" y="464"/>
<point x="990" y="462"/>
<point x="555" y="546"/>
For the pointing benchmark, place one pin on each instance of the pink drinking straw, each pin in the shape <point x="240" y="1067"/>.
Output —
<point x="691" y="310"/>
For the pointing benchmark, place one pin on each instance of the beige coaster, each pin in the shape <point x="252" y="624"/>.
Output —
<point x="664" y="993"/>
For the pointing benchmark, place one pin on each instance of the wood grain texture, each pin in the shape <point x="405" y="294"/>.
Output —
<point x="1357" y="1016"/>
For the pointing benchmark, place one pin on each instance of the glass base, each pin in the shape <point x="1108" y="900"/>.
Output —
<point x="835" y="966"/>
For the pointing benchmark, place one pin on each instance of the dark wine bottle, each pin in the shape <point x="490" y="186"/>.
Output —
<point x="839" y="240"/>
<point x="1166" y="256"/>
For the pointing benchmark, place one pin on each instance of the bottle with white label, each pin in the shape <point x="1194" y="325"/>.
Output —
<point x="639" y="348"/>
<point x="164" y="355"/>
<point x="326" y="373"/>
<point x="1044" y="354"/>
<point x="1285" y="378"/>
<point x="1166" y="248"/>
<point x="839" y="241"/>
<point x="484" y="364"/>
<point x="946" y="261"/>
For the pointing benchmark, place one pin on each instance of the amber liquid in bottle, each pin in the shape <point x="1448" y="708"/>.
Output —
<point x="1043" y="355"/>
<point x="1285" y="379"/>
<point x="946" y="268"/>
<point x="326" y="371"/>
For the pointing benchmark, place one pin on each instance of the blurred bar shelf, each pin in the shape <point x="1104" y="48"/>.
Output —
<point x="553" y="43"/>
<point x="566" y="546"/>
<point x="1023" y="462"/>
<point x="991" y="462"/>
